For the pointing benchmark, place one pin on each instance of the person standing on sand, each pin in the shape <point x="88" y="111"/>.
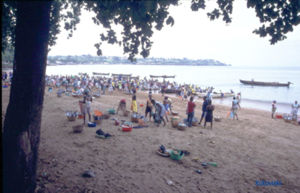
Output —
<point x="274" y="108"/>
<point x="295" y="108"/>
<point x="204" y="105"/>
<point x="209" y="114"/>
<point x="234" y="108"/>
<point x="239" y="97"/>
<point x="166" y="104"/>
<point x="85" y="106"/>
<point x="190" y="111"/>
<point x="149" y="107"/>
<point x="134" y="105"/>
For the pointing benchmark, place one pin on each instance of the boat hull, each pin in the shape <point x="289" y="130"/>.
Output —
<point x="257" y="83"/>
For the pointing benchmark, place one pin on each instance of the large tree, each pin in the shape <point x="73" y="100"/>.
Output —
<point x="31" y="28"/>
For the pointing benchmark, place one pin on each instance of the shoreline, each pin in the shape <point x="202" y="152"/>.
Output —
<point x="246" y="102"/>
<point x="249" y="104"/>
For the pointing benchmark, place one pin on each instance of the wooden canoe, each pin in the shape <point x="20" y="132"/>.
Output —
<point x="258" y="83"/>
<point x="121" y="74"/>
<point x="100" y="74"/>
<point x="163" y="76"/>
<point x="216" y="95"/>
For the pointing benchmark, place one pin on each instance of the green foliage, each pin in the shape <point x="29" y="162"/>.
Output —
<point x="139" y="18"/>
<point x="8" y="21"/>
<point x="278" y="17"/>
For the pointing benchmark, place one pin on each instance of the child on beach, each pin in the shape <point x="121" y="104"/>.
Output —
<point x="134" y="105"/>
<point x="234" y="108"/>
<point x="204" y="105"/>
<point x="273" y="109"/>
<point x="190" y="111"/>
<point x="85" y="106"/>
<point x="149" y="107"/>
<point x="166" y="104"/>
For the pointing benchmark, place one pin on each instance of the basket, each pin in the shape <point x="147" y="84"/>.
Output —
<point x="71" y="118"/>
<point x="111" y="111"/>
<point x="181" y="126"/>
<point x="77" y="128"/>
<point x="175" y="155"/>
<point x="194" y="121"/>
<point x="174" y="121"/>
<point x="126" y="128"/>
<point x="279" y="116"/>
<point x="166" y="154"/>
<point x="174" y="113"/>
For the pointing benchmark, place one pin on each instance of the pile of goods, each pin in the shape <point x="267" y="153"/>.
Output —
<point x="71" y="116"/>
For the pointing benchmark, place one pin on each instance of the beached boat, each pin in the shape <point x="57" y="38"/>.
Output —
<point x="172" y="91"/>
<point x="121" y="74"/>
<point x="258" y="83"/>
<point x="135" y="77"/>
<point x="216" y="95"/>
<point x="82" y="74"/>
<point x="163" y="76"/>
<point x="100" y="74"/>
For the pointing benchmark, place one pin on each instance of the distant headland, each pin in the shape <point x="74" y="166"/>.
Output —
<point x="88" y="59"/>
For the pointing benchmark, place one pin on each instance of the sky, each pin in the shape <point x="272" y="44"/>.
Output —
<point x="194" y="36"/>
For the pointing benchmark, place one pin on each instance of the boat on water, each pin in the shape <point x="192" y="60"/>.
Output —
<point x="120" y="74"/>
<point x="259" y="83"/>
<point x="100" y="74"/>
<point x="163" y="76"/>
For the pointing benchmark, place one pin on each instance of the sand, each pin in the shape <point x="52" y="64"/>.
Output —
<point x="251" y="149"/>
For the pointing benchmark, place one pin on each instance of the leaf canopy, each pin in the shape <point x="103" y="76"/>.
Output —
<point x="140" y="17"/>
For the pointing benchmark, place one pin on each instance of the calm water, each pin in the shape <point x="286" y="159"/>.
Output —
<point x="222" y="78"/>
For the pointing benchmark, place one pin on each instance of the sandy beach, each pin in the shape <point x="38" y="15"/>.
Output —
<point x="248" y="150"/>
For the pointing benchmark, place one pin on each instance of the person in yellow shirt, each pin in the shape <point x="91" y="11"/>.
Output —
<point x="134" y="104"/>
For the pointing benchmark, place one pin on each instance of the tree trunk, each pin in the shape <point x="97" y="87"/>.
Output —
<point x="23" y="116"/>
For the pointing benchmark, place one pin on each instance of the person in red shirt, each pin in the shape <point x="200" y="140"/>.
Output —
<point x="190" y="111"/>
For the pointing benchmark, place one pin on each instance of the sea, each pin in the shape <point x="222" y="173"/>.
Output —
<point x="222" y="78"/>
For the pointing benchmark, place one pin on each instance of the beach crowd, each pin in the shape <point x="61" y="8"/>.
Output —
<point x="88" y="87"/>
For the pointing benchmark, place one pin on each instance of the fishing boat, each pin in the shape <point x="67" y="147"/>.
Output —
<point x="258" y="83"/>
<point x="216" y="95"/>
<point x="163" y="76"/>
<point x="172" y="91"/>
<point x="100" y="74"/>
<point x="121" y="74"/>
<point x="135" y="77"/>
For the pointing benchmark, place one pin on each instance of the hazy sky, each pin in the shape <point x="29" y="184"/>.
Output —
<point x="194" y="36"/>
